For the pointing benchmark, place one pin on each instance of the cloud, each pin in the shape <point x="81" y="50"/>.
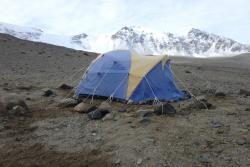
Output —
<point x="224" y="17"/>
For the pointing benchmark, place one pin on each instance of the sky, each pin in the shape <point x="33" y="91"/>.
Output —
<point x="229" y="18"/>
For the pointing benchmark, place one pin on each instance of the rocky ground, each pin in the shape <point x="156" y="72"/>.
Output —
<point x="48" y="134"/>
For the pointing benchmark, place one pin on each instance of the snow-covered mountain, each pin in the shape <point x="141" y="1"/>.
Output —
<point x="37" y="35"/>
<point x="196" y="43"/>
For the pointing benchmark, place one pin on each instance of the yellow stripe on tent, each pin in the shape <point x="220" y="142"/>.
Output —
<point x="140" y="66"/>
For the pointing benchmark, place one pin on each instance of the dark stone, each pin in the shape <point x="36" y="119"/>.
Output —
<point x="17" y="111"/>
<point x="47" y="92"/>
<point x="202" y="104"/>
<point x="84" y="107"/>
<point x="188" y="72"/>
<point x="92" y="108"/>
<point x="96" y="114"/>
<point x="68" y="102"/>
<point x="241" y="141"/>
<point x="65" y="87"/>
<point x="220" y="131"/>
<point x="3" y="109"/>
<point x="11" y="104"/>
<point x="204" y="159"/>
<point x="104" y="107"/>
<point x="143" y="113"/>
<point x="24" y="87"/>
<point x="9" y="101"/>
<point x="144" y="120"/>
<point x="164" y="109"/>
<point x="28" y="98"/>
<point x="247" y="109"/>
<point x="220" y="94"/>
<point x="244" y="92"/>
<point x="41" y="52"/>
<point x="216" y="124"/>
<point x="122" y="110"/>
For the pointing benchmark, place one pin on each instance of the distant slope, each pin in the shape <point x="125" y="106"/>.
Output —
<point x="26" y="62"/>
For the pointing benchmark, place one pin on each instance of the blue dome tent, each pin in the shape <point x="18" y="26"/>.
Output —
<point x="126" y="75"/>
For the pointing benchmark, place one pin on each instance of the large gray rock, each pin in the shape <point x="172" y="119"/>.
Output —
<point x="144" y="120"/>
<point x="204" y="159"/>
<point x="17" y="111"/>
<point x="3" y="109"/>
<point x="47" y="92"/>
<point x="109" y="116"/>
<point x="24" y="87"/>
<point x="65" y="87"/>
<point x="84" y="107"/>
<point x="105" y="106"/>
<point x="96" y="114"/>
<point x="139" y="161"/>
<point x="220" y="93"/>
<point x="201" y="98"/>
<point x="68" y="102"/>
<point x="201" y="105"/>
<point x="163" y="109"/>
<point x="142" y="113"/>
<point x="11" y="100"/>
<point x="244" y="92"/>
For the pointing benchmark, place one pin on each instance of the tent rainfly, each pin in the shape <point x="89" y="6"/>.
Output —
<point x="126" y="75"/>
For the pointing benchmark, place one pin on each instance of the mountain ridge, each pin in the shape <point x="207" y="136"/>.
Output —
<point x="196" y="43"/>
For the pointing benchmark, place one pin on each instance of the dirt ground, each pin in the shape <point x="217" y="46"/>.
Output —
<point x="53" y="136"/>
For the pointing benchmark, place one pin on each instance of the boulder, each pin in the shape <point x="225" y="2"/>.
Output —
<point x="139" y="161"/>
<point x="122" y="110"/>
<point x="47" y="92"/>
<point x="11" y="100"/>
<point x="109" y="116"/>
<point x="216" y="124"/>
<point x="201" y="98"/>
<point x="201" y="105"/>
<point x="163" y="109"/>
<point x="17" y="111"/>
<point x="247" y="109"/>
<point x="96" y="114"/>
<point x="142" y="113"/>
<point x="65" y="87"/>
<point x="244" y="92"/>
<point x="204" y="159"/>
<point x="3" y="109"/>
<point x="219" y="93"/>
<point x="24" y="87"/>
<point x="91" y="109"/>
<point x="144" y="120"/>
<point x="68" y="102"/>
<point x="117" y="162"/>
<point x="241" y="141"/>
<point x="104" y="106"/>
<point x="84" y="108"/>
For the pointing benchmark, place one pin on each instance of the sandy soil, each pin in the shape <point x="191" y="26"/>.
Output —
<point x="52" y="136"/>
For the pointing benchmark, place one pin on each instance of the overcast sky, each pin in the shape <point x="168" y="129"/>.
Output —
<point x="230" y="18"/>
